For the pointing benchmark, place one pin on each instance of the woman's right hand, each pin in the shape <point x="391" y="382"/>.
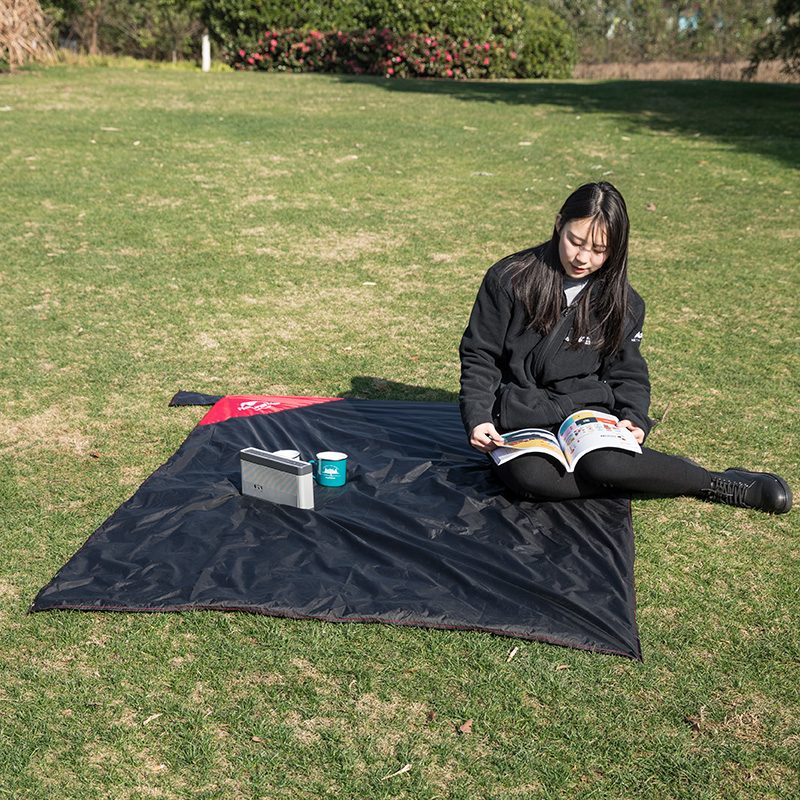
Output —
<point x="484" y="437"/>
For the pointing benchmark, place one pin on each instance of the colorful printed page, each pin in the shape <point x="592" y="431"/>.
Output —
<point x="528" y="440"/>
<point x="585" y="431"/>
<point x="580" y="433"/>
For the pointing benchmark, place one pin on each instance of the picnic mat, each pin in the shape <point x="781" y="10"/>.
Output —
<point x="421" y="534"/>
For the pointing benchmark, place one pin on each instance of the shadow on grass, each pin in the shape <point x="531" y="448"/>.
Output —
<point x="362" y="387"/>
<point x="365" y="387"/>
<point x="753" y="117"/>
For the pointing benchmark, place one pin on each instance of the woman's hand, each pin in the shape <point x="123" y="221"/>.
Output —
<point x="484" y="437"/>
<point x="637" y="432"/>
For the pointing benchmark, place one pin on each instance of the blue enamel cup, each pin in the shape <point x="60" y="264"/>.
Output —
<point x="330" y="468"/>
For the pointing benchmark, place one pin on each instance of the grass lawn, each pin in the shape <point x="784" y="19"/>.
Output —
<point x="243" y="233"/>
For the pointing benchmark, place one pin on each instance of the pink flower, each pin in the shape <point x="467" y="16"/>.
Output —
<point x="241" y="53"/>
<point x="448" y="57"/>
<point x="486" y="46"/>
<point x="449" y="73"/>
<point x="390" y="71"/>
<point x="513" y="54"/>
<point x="486" y="62"/>
<point x="250" y="61"/>
<point x="273" y="43"/>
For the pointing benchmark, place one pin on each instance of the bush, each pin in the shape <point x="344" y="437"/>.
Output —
<point x="528" y="42"/>
<point x="504" y="38"/>
<point x="545" y="45"/>
<point x="236" y="20"/>
<point x="376" y="52"/>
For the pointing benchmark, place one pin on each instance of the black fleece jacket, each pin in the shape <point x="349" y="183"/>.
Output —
<point x="515" y="378"/>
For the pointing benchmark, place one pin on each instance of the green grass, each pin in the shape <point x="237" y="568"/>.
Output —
<point x="240" y="233"/>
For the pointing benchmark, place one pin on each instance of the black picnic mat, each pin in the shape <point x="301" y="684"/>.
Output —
<point x="421" y="534"/>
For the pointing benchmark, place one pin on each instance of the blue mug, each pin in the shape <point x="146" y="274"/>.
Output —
<point x="330" y="468"/>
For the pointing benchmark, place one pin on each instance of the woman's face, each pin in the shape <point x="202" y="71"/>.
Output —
<point x="581" y="246"/>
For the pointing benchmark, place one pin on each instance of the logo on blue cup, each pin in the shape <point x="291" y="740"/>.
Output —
<point x="330" y="468"/>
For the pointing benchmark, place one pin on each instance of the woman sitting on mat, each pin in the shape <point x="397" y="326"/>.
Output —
<point x="556" y="329"/>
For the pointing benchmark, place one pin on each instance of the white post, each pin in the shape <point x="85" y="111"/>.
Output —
<point x="206" y="53"/>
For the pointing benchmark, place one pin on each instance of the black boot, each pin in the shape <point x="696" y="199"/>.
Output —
<point x="746" y="489"/>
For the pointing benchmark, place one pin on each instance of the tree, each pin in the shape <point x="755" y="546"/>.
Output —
<point x="782" y="41"/>
<point x="158" y="29"/>
<point x="646" y="30"/>
<point x="24" y="33"/>
<point x="728" y="28"/>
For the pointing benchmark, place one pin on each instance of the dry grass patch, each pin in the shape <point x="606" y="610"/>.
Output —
<point x="396" y="719"/>
<point x="9" y="593"/>
<point x="338" y="248"/>
<point x="777" y="777"/>
<point x="256" y="199"/>
<point x="56" y="428"/>
<point x="768" y="71"/>
<point x="750" y="721"/>
<point x="156" y="202"/>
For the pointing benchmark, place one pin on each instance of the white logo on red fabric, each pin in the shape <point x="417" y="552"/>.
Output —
<point x="255" y="405"/>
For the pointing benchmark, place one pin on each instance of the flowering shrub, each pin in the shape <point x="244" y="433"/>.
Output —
<point x="475" y="20"/>
<point x="384" y="52"/>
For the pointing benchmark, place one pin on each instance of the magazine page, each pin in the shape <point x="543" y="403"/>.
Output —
<point x="585" y="431"/>
<point x="528" y="440"/>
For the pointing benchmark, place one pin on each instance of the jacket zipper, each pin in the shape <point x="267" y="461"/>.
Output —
<point x="556" y="336"/>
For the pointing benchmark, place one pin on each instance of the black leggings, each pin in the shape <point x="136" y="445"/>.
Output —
<point x="538" y="477"/>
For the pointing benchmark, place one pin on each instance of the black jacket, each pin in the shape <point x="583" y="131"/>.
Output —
<point x="515" y="378"/>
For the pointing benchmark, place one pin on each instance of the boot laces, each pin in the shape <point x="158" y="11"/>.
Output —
<point x="730" y="491"/>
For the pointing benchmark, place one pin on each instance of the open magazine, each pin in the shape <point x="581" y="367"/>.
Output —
<point x="579" y="433"/>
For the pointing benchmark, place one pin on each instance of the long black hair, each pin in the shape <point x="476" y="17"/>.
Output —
<point x="539" y="277"/>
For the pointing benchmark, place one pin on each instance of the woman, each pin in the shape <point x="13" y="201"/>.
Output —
<point x="556" y="329"/>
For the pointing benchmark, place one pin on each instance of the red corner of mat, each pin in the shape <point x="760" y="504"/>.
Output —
<point x="247" y="405"/>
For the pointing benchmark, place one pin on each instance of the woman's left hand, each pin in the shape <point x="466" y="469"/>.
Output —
<point x="637" y="432"/>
